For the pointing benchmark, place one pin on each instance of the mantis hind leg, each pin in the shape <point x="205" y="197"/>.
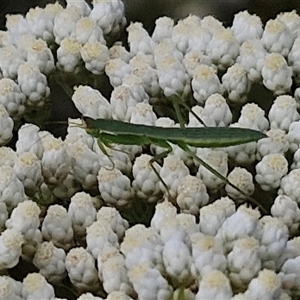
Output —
<point x="156" y="159"/>
<point x="215" y="172"/>
<point x="102" y="145"/>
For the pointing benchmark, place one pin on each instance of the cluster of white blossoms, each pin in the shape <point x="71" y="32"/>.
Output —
<point x="76" y="210"/>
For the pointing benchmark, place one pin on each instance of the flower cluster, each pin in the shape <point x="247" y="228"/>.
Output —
<point x="76" y="210"/>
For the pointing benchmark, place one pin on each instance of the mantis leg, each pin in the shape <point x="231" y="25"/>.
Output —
<point x="177" y="102"/>
<point x="156" y="159"/>
<point x="213" y="171"/>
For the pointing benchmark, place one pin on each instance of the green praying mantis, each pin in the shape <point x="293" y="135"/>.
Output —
<point x="109" y="132"/>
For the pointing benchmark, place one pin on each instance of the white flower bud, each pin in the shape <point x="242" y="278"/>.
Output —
<point x="244" y="222"/>
<point x="6" y="126"/>
<point x="116" y="69"/>
<point x="56" y="162"/>
<point x="82" y="213"/>
<point x="276" y="74"/>
<point x="65" y="23"/>
<point x="246" y="26"/>
<point x="172" y="171"/>
<point x="35" y="286"/>
<point x="122" y="103"/>
<point x="291" y="19"/>
<point x="90" y="102"/>
<point x="163" y="29"/>
<point x="277" y="37"/>
<point x="223" y="48"/>
<point x="276" y="142"/>
<point x="283" y="112"/>
<point x="214" y="285"/>
<point x="165" y="49"/>
<point x="296" y="160"/>
<point x="109" y="15"/>
<point x="146" y="182"/>
<point x="3" y="216"/>
<point x="288" y="211"/>
<point x="242" y="179"/>
<point x="252" y="58"/>
<point x="207" y="254"/>
<point x="188" y="223"/>
<point x="116" y="156"/>
<point x="171" y="229"/>
<point x="149" y="281"/>
<point x="8" y="156"/>
<point x="253" y="117"/>
<point x="290" y="185"/>
<point x="85" y="165"/>
<point x="11" y="59"/>
<point x="33" y="84"/>
<point x="273" y="236"/>
<point x="57" y="227"/>
<point x="50" y="261"/>
<point x="199" y="37"/>
<point x="100" y="235"/>
<point x="142" y="245"/>
<point x="39" y="54"/>
<point x="16" y="26"/>
<point x="12" y="98"/>
<point x="41" y="21"/>
<point x="80" y="265"/>
<point x="217" y="159"/>
<point x="114" y="187"/>
<point x="143" y="114"/>
<point x="293" y="136"/>
<point x="212" y="216"/>
<point x="289" y="275"/>
<point x="180" y="35"/>
<point x="163" y="211"/>
<point x="29" y="140"/>
<point x="87" y="31"/>
<point x="139" y="39"/>
<point x="191" y="195"/>
<point x="194" y="58"/>
<point x="204" y="116"/>
<point x="112" y="216"/>
<point x="68" y="55"/>
<point x="244" y="262"/>
<point x="25" y="219"/>
<point x="119" y="51"/>
<point x="236" y="84"/>
<point x="81" y="4"/>
<point x="205" y="83"/>
<point x="11" y="241"/>
<point x="77" y="133"/>
<point x="177" y="260"/>
<point x="95" y="56"/>
<point x="112" y="271"/>
<point x="266" y="286"/>
<point x="270" y="170"/>
<point x="11" y="188"/>
<point x="293" y="59"/>
<point x="143" y="66"/>
<point x="172" y="77"/>
<point x="218" y="110"/>
<point x="10" y="288"/>
<point x="135" y="84"/>
<point x="30" y="245"/>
